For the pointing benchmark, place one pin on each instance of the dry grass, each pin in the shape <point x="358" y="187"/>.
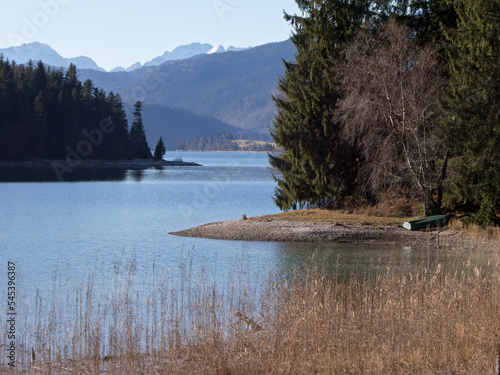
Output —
<point x="488" y="233"/>
<point x="427" y="323"/>
<point x="179" y="322"/>
<point x="338" y="216"/>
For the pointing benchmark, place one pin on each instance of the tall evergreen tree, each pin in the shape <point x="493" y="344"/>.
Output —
<point x="159" y="150"/>
<point x="138" y="144"/>
<point x="8" y="103"/>
<point x="428" y="17"/>
<point x="118" y="142"/>
<point x="317" y="167"/>
<point x="472" y="104"/>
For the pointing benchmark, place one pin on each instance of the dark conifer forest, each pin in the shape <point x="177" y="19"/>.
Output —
<point x="49" y="114"/>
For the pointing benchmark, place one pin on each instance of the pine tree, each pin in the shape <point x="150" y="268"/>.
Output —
<point x="119" y="143"/>
<point x="317" y="167"/>
<point x="472" y="104"/>
<point x="428" y="17"/>
<point x="138" y="143"/>
<point x="8" y="102"/>
<point x="159" y="150"/>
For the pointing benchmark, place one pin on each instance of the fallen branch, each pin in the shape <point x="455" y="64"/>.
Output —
<point x="255" y="327"/>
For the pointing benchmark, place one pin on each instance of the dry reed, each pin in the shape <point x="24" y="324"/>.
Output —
<point x="182" y="322"/>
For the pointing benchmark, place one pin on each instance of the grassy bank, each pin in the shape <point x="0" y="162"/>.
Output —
<point x="337" y="216"/>
<point x="181" y="322"/>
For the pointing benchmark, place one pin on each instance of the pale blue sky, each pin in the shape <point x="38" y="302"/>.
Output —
<point x="120" y="33"/>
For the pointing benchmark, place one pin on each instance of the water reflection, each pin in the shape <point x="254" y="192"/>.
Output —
<point x="137" y="175"/>
<point x="47" y="174"/>
<point x="367" y="260"/>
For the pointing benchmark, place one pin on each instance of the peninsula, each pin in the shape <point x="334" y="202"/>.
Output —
<point x="320" y="226"/>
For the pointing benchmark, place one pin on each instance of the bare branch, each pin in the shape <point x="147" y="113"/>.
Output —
<point x="389" y="109"/>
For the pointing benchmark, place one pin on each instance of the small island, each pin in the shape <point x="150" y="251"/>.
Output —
<point x="51" y="119"/>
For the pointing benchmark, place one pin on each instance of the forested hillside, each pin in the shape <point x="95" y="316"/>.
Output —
<point x="176" y="124"/>
<point x="234" y="87"/>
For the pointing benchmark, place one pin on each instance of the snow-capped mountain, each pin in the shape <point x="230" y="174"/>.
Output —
<point x="217" y="49"/>
<point x="38" y="51"/>
<point x="181" y="53"/>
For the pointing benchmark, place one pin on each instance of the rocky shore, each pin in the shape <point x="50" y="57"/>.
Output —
<point x="265" y="229"/>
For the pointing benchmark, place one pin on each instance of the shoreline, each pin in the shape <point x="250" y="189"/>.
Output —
<point x="265" y="229"/>
<point x="91" y="163"/>
<point x="248" y="152"/>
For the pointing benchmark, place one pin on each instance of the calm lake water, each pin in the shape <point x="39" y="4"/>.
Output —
<point x="101" y="217"/>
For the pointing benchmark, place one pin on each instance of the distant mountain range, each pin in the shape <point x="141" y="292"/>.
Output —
<point x="39" y="51"/>
<point x="180" y="53"/>
<point x="194" y="90"/>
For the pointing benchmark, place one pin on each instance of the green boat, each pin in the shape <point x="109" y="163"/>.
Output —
<point x="428" y="222"/>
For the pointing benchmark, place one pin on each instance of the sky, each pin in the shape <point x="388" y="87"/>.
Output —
<point x="121" y="33"/>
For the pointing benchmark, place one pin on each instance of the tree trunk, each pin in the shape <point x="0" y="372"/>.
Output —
<point x="441" y="180"/>
<point x="431" y="207"/>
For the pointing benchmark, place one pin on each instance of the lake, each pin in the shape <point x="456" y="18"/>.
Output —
<point x="98" y="218"/>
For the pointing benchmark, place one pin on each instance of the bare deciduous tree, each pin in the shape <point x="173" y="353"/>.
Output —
<point x="390" y="110"/>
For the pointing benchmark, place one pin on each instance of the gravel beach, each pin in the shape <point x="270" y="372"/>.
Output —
<point x="264" y="229"/>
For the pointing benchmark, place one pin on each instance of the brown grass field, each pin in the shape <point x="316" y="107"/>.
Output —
<point x="338" y="216"/>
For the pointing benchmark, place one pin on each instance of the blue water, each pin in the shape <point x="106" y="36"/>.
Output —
<point x="69" y="224"/>
<point x="74" y="226"/>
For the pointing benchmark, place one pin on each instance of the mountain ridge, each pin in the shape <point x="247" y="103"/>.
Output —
<point x="177" y="124"/>
<point x="37" y="51"/>
<point x="182" y="52"/>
